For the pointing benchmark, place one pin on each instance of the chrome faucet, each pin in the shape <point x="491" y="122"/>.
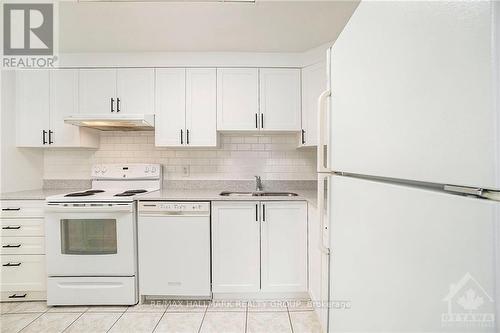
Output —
<point x="258" y="184"/>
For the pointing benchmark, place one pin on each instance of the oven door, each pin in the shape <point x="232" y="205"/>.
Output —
<point x="90" y="239"/>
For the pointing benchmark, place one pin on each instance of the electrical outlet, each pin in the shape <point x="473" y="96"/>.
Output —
<point x="185" y="171"/>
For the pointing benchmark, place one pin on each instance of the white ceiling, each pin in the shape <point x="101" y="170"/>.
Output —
<point x="266" y="26"/>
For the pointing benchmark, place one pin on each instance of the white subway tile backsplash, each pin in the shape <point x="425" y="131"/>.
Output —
<point x="239" y="157"/>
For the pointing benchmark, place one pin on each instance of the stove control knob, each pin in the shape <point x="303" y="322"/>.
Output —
<point x="153" y="169"/>
<point x="147" y="169"/>
<point x="104" y="170"/>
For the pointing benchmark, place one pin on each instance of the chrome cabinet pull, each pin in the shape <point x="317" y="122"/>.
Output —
<point x="12" y="227"/>
<point x="263" y="213"/>
<point x="18" y="296"/>
<point x="112" y="104"/>
<point x="117" y="104"/>
<point x="11" y="209"/>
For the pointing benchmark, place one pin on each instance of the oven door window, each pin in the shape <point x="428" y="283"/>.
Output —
<point x="88" y="236"/>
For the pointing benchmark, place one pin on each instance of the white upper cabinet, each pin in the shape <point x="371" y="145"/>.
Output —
<point x="284" y="236"/>
<point x="135" y="90"/>
<point x="32" y="108"/>
<point x="186" y="107"/>
<point x="44" y="99"/>
<point x="97" y="91"/>
<point x="170" y="107"/>
<point x="314" y="80"/>
<point x="64" y="103"/>
<point x="237" y="99"/>
<point x="280" y="99"/>
<point x="117" y="91"/>
<point x="201" y="107"/>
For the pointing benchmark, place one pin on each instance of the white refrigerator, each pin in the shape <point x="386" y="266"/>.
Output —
<point x="409" y="169"/>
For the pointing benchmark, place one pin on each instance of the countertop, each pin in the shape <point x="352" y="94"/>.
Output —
<point x="213" y="195"/>
<point x="39" y="194"/>
<point x="166" y="194"/>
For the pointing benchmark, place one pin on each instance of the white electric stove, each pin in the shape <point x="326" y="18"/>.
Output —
<point x="91" y="237"/>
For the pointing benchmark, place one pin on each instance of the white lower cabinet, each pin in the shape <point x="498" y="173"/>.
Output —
<point x="235" y="247"/>
<point x="22" y="254"/>
<point x="283" y="246"/>
<point x="259" y="246"/>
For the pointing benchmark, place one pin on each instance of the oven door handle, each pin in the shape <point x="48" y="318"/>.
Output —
<point x="89" y="209"/>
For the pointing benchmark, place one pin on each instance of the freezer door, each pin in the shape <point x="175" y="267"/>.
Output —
<point x="415" y="100"/>
<point x="408" y="259"/>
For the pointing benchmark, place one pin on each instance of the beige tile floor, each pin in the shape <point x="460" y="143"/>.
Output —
<point x="175" y="317"/>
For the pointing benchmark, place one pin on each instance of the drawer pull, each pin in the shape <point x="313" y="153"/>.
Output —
<point x="11" y="245"/>
<point x="12" y="227"/>
<point x="12" y="264"/>
<point x="11" y="209"/>
<point x="18" y="296"/>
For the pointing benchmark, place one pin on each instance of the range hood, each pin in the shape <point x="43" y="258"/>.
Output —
<point x="115" y="122"/>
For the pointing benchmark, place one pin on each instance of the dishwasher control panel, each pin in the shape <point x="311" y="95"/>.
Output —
<point x="174" y="208"/>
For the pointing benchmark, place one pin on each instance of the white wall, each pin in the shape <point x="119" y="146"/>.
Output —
<point x="21" y="169"/>
<point x="238" y="157"/>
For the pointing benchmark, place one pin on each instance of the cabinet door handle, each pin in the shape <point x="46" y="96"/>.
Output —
<point x="12" y="227"/>
<point x="182" y="139"/>
<point x="112" y="104"/>
<point x="187" y="137"/>
<point x="18" y="296"/>
<point x="261" y="120"/>
<point x="303" y="137"/>
<point x="256" y="121"/>
<point x="44" y="140"/>
<point x="11" y="246"/>
<point x="12" y="264"/>
<point x="117" y="104"/>
<point x="50" y="137"/>
<point x="11" y="209"/>
<point x="263" y="213"/>
<point x="256" y="213"/>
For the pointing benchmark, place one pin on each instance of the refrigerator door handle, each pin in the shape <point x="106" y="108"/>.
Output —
<point x="321" y="129"/>
<point x="322" y="190"/>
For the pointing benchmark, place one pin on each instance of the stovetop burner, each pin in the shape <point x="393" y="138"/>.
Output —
<point x="84" y="193"/>
<point x="130" y="193"/>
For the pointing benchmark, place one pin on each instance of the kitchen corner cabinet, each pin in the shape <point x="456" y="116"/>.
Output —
<point x="313" y="84"/>
<point x="23" y="274"/>
<point x="43" y="99"/>
<point x="238" y="99"/>
<point x="280" y="100"/>
<point x="252" y="243"/>
<point x="110" y="91"/>
<point x="185" y="105"/>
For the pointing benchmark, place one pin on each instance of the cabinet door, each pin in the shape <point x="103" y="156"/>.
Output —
<point x="235" y="247"/>
<point x="284" y="246"/>
<point x="237" y="99"/>
<point x="280" y="99"/>
<point x="32" y="104"/>
<point x="170" y="106"/>
<point x="97" y="91"/>
<point x="63" y="103"/>
<point x="135" y="90"/>
<point x="313" y="84"/>
<point x="201" y="107"/>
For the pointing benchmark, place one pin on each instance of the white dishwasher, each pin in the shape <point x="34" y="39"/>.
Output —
<point x="174" y="249"/>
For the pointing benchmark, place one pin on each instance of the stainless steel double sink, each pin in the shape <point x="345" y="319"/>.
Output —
<point x="258" y="194"/>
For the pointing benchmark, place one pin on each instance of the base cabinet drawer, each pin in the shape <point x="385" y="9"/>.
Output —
<point x="21" y="296"/>
<point x="24" y="272"/>
<point x="22" y="245"/>
<point x="12" y="227"/>
<point x="22" y="208"/>
<point x="92" y="291"/>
